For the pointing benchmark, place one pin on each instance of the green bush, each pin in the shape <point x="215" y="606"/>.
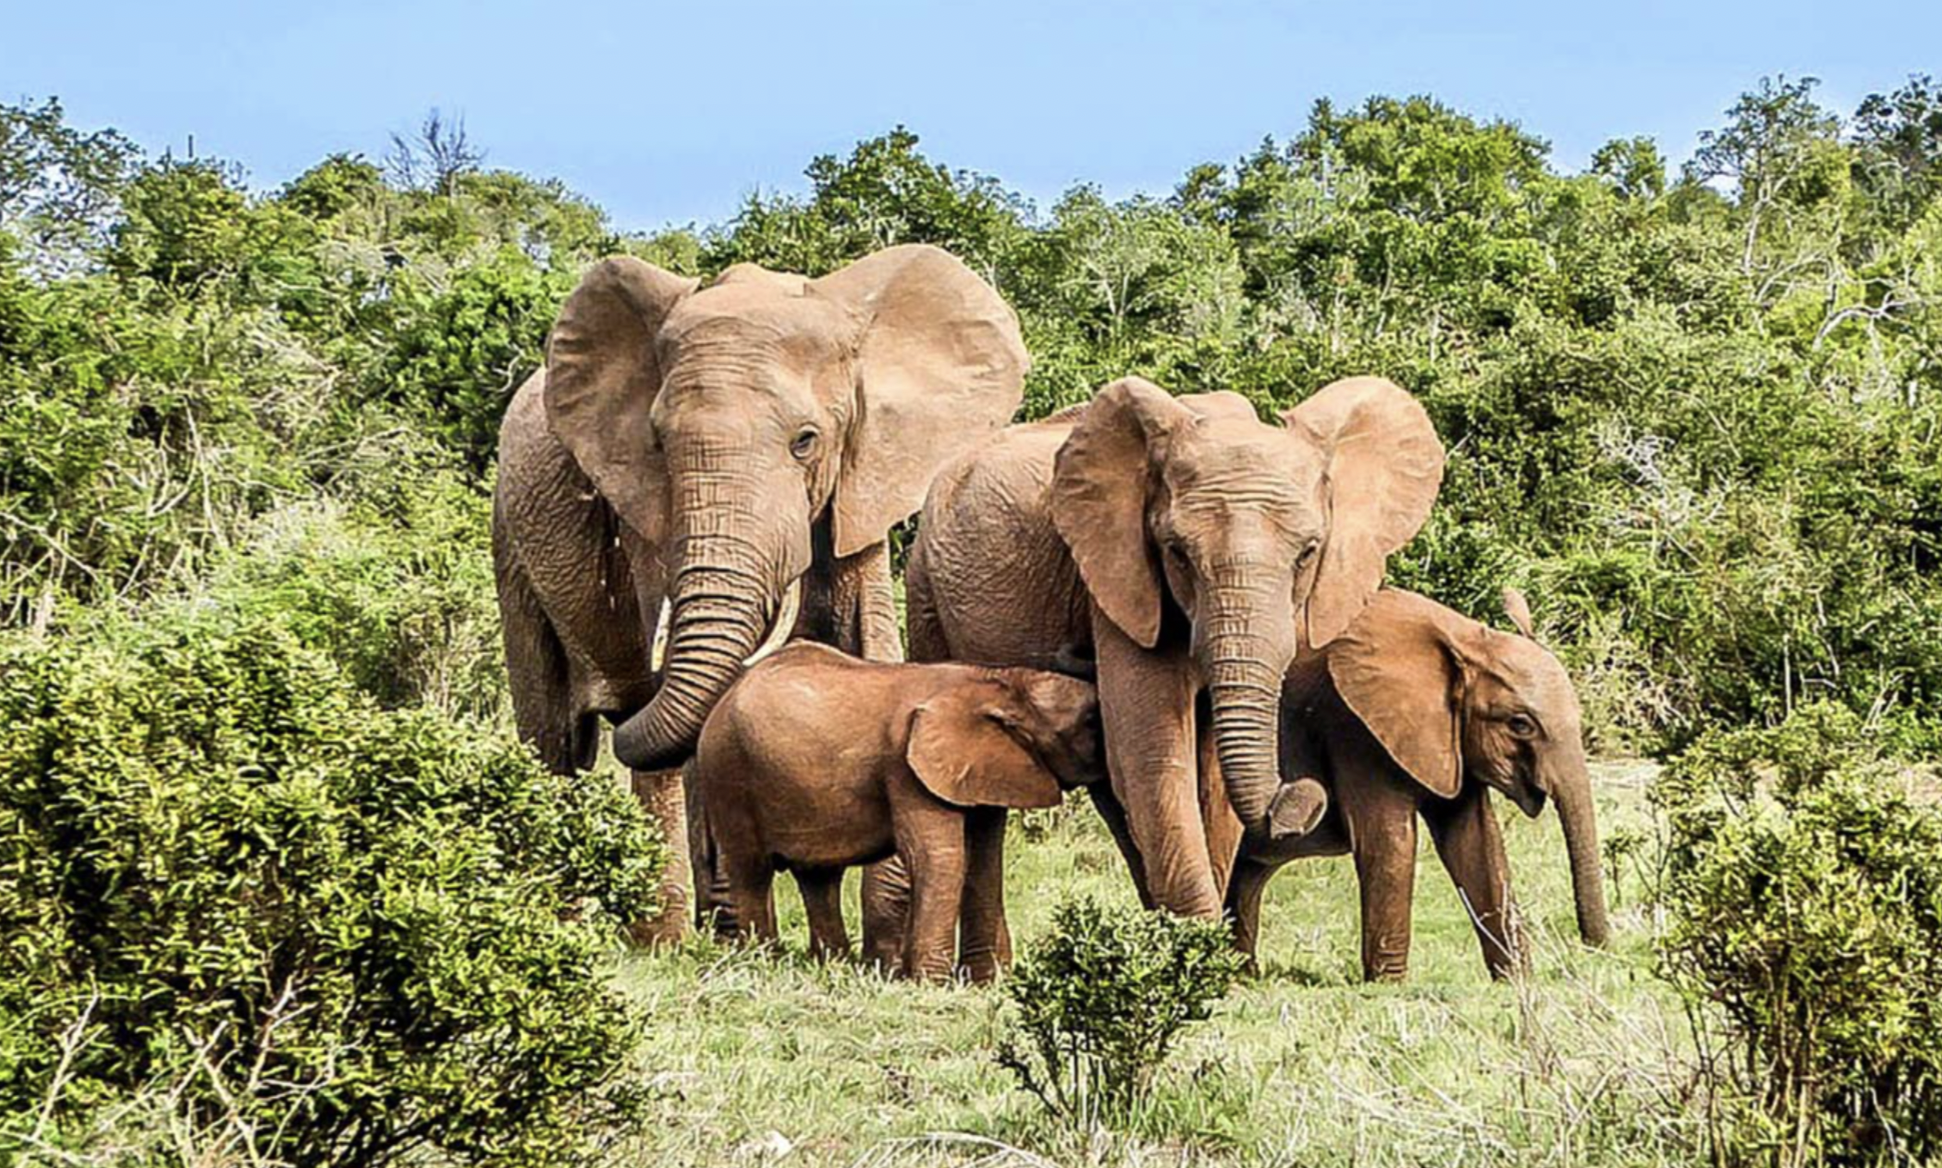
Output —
<point x="399" y="596"/>
<point x="358" y="933"/>
<point x="1100" y="1000"/>
<point x="1803" y="889"/>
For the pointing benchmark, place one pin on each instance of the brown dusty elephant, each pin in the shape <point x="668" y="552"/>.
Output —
<point x="1189" y="550"/>
<point x="712" y="467"/>
<point x="1420" y="711"/>
<point x="816" y="761"/>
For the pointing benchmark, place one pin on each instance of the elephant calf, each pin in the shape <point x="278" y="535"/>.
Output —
<point x="816" y="761"/>
<point x="1417" y="711"/>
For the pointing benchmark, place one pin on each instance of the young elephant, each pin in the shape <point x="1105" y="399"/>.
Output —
<point x="1417" y="711"/>
<point x="816" y="761"/>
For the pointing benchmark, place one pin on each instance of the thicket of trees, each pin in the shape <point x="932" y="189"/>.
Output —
<point x="1693" y="413"/>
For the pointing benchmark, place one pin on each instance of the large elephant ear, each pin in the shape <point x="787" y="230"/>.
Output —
<point x="602" y="373"/>
<point x="1400" y="672"/>
<point x="1099" y="485"/>
<point x="1385" y="465"/>
<point x="940" y="364"/>
<point x="960" y="751"/>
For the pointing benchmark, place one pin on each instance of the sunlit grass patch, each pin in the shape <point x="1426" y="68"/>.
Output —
<point x="773" y="1058"/>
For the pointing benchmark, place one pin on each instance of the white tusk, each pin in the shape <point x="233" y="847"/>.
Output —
<point x="658" y="655"/>
<point x="785" y="623"/>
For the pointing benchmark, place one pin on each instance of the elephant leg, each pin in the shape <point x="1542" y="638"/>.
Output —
<point x="663" y="796"/>
<point x="751" y="889"/>
<point x="931" y="838"/>
<point x="1114" y="814"/>
<point x="822" y="902"/>
<point x="1471" y="846"/>
<point x="714" y="909"/>
<point x="1146" y="704"/>
<point x="540" y="677"/>
<point x="1382" y="827"/>
<point x="926" y="629"/>
<point x="1244" y="906"/>
<point x="886" y="906"/>
<point x="1222" y="826"/>
<point x="868" y="572"/>
<point x="984" y="945"/>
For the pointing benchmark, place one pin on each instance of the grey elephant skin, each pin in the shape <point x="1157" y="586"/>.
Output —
<point x="1190" y="551"/>
<point x="816" y="761"/>
<point x="1419" y="712"/>
<point x="693" y="456"/>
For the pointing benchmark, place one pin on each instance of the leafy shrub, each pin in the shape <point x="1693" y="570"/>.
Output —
<point x="399" y="596"/>
<point x="360" y="933"/>
<point x="1803" y="884"/>
<point x="1100" y="1000"/>
<point x="465" y="349"/>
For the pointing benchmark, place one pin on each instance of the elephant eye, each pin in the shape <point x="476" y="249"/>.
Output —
<point x="805" y="443"/>
<point x="1522" y="725"/>
<point x="1308" y="553"/>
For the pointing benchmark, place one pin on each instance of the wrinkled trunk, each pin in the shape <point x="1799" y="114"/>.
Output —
<point x="1243" y="671"/>
<point x="718" y="615"/>
<point x="1575" y="812"/>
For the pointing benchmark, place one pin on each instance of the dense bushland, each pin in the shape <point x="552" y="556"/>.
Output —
<point x="1694" y="414"/>
<point x="306" y="928"/>
<point x="1803" y="887"/>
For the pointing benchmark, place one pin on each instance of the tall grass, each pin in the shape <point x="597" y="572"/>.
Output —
<point x="777" y="1059"/>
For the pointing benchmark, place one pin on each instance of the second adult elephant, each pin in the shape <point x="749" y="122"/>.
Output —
<point x="695" y="456"/>
<point x="1190" y="550"/>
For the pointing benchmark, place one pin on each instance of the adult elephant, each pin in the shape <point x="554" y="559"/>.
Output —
<point x="1418" y="712"/>
<point x="710" y="468"/>
<point x="1190" y="550"/>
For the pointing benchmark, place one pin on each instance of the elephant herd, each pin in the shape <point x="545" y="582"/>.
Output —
<point x="1164" y="600"/>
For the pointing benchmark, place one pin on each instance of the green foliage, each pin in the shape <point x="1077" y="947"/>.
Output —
<point x="1697" y="416"/>
<point x="468" y="347"/>
<point x="398" y="594"/>
<point x="1803" y="887"/>
<point x="1100" y="999"/>
<point x="884" y="194"/>
<point x="360" y="932"/>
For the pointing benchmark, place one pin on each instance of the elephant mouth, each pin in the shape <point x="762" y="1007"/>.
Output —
<point x="779" y="629"/>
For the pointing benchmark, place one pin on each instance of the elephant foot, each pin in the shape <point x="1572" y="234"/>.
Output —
<point x="980" y="971"/>
<point x="666" y="927"/>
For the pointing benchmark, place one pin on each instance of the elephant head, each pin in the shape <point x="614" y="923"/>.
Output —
<point x="1451" y="699"/>
<point x="1266" y="539"/>
<point x="1015" y="738"/>
<point x="723" y="421"/>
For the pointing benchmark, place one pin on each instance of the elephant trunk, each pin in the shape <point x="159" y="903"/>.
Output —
<point x="1244" y="671"/>
<point x="1580" y="822"/>
<point x="717" y="616"/>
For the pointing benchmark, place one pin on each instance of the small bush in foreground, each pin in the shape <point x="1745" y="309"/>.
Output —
<point x="356" y="935"/>
<point x="1804" y="891"/>
<point x="1100" y="1000"/>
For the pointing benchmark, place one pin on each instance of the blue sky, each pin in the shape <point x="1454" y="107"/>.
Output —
<point x="670" y="113"/>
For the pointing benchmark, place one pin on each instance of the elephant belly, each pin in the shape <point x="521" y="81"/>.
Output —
<point x="825" y="826"/>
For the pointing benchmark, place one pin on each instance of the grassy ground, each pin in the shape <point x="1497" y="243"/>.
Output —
<point x="777" y="1060"/>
